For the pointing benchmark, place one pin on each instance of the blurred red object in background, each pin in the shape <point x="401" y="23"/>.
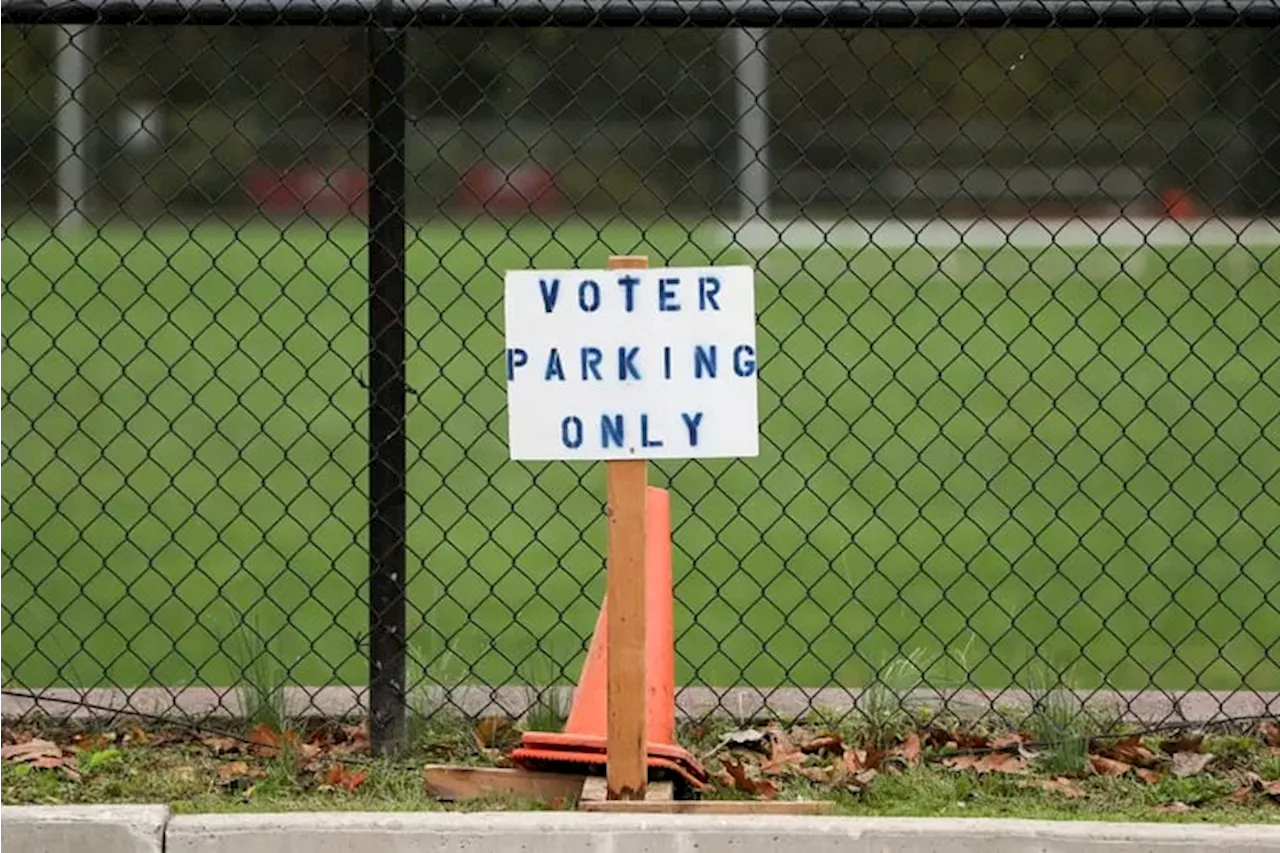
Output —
<point x="1178" y="204"/>
<point x="309" y="189"/>
<point x="524" y="188"/>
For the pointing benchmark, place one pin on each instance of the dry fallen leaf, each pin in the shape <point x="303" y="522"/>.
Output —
<point x="1001" y="762"/>
<point x="1270" y="732"/>
<point x="961" y="762"/>
<point x="232" y="772"/>
<point x="1008" y="740"/>
<point x="1060" y="785"/>
<point x="324" y="736"/>
<point x="349" y="741"/>
<point x="137" y="737"/>
<point x="262" y="735"/>
<point x="910" y="749"/>
<point x="31" y="750"/>
<point x="1065" y="787"/>
<point x="1241" y="795"/>
<point x="220" y="745"/>
<point x="308" y="753"/>
<point x="339" y="775"/>
<point x="1174" y="808"/>
<point x="783" y="757"/>
<point x="780" y="744"/>
<point x="749" y="738"/>
<point x="1104" y="766"/>
<point x="1190" y="763"/>
<point x="62" y="765"/>
<point x="855" y="760"/>
<point x="858" y="782"/>
<point x="831" y="743"/>
<point x="780" y="766"/>
<point x="1272" y="788"/>
<point x="1184" y="742"/>
<point x="996" y="762"/>
<point x="1150" y="777"/>
<point x="742" y="782"/>
<point x="938" y="737"/>
<point x="1131" y="750"/>
<point x="95" y="742"/>
<point x="496" y="733"/>
<point x="821" y="775"/>
<point x="873" y="758"/>
<point x="972" y="740"/>
<point x="41" y="754"/>
<point x="1246" y="777"/>
<point x="267" y="742"/>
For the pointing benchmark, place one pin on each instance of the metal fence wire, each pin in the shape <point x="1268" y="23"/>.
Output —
<point x="1018" y="291"/>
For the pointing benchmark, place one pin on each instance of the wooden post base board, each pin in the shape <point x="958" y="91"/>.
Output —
<point x="717" y="807"/>
<point x="595" y="789"/>
<point x="452" y="783"/>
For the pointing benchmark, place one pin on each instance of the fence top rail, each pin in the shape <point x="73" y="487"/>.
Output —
<point x="655" y="13"/>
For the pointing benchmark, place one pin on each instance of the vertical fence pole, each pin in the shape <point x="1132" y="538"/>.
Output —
<point x="751" y="78"/>
<point x="73" y="64"/>
<point x="386" y="388"/>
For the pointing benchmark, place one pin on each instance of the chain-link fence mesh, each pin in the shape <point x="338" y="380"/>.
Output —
<point x="1017" y="305"/>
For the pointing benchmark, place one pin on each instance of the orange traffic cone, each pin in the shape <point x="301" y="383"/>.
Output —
<point x="585" y="735"/>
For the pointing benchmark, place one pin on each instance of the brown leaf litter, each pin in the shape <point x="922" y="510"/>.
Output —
<point x="41" y="754"/>
<point x="993" y="762"/>
<point x="1058" y="785"/>
<point x="1104" y="766"/>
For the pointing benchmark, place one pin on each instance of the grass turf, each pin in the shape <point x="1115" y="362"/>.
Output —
<point x="190" y="779"/>
<point x="187" y="783"/>
<point x="985" y="459"/>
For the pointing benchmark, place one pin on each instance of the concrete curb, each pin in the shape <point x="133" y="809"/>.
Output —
<point x="102" y="829"/>
<point x="149" y="829"/>
<point x="570" y="832"/>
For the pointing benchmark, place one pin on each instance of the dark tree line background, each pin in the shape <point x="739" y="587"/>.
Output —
<point x="866" y="122"/>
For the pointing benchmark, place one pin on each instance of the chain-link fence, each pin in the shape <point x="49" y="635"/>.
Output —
<point x="1018" y="291"/>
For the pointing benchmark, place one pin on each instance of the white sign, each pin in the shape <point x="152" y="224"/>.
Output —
<point x="631" y="364"/>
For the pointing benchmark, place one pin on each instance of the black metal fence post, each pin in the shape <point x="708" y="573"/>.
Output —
<point x="386" y="384"/>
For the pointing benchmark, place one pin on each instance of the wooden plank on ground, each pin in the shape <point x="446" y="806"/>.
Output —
<point x="452" y="782"/>
<point x="716" y="807"/>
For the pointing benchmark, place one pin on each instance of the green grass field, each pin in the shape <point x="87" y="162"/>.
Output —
<point x="1009" y="457"/>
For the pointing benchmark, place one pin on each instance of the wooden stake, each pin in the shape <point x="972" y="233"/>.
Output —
<point x="627" y="748"/>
